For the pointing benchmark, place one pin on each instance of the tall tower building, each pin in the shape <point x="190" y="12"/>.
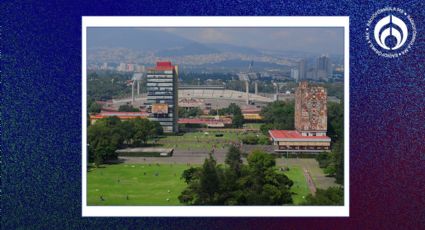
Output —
<point x="295" y="74"/>
<point x="302" y="70"/>
<point x="310" y="123"/>
<point x="162" y="95"/>
<point x="323" y="68"/>
<point x="311" y="110"/>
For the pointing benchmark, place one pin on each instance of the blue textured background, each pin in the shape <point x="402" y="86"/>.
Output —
<point x="41" y="116"/>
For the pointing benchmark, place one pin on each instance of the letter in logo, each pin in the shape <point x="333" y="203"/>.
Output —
<point x="399" y="33"/>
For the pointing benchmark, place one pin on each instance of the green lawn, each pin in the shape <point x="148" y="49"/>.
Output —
<point x="252" y="125"/>
<point x="199" y="140"/>
<point x="115" y="182"/>
<point x="300" y="187"/>
<point x="202" y="140"/>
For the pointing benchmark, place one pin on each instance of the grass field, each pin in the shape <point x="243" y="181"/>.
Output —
<point x="252" y="125"/>
<point x="300" y="187"/>
<point x="199" y="140"/>
<point x="115" y="182"/>
<point x="202" y="140"/>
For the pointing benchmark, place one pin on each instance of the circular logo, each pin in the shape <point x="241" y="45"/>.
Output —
<point x="390" y="32"/>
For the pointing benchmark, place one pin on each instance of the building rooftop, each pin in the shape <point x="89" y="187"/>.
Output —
<point x="119" y="114"/>
<point x="251" y="111"/>
<point x="293" y="134"/>
<point x="162" y="65"/>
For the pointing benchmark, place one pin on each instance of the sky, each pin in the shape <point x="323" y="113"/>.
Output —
<point x="324" y="40"/>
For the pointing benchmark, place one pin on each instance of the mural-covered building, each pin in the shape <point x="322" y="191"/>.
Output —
<point x="310" y="123"/>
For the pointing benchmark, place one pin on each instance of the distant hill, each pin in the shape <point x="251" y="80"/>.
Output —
<point x="160" y="42"/>
<point x="235" y="49"/>
<point x="241" y="64"/>
<point x="193" y="48"/>
<point x="140" y="45"/>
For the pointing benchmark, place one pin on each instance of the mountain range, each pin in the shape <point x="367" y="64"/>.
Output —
<point x="106" y="44"/>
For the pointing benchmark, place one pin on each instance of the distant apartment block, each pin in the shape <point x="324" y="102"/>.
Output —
<point x="295" y="74"/>
<point x="302" y="70"/>
<point x="323" y="68"/>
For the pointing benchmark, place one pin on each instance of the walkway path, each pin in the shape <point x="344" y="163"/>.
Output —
<point x="310" y="182"/>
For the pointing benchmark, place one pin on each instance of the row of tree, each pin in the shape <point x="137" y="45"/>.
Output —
<point x="127" y="108"/>
<point x="232" y="110"/>
<point x="109" y="134"/>
<point x="258" y="183"/>
<point x="278" y="115"/>
<point x="93" y="107"/>
<point x="236" y="113"/>
<point x="102" y="86"/>
<point x="191" y="112"/>
<point x="330" y="196"/>
<point x="255" y="139"/>
<point x="333" y="162"/>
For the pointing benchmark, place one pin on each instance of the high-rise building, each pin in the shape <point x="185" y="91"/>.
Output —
<point x="323" y="68"/>
<point x="139" y="68"/>
<point x="121" y="67"/>
<point x="302" y="70"/>
<point x="310" y="110"/>
<point x="162" y="95"/>
<point x="129" y="68"/>
<point x="104" y="66"/>
<point x="295" y="74"/>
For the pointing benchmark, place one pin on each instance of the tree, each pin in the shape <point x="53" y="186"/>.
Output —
<point x="335" y="121"/>
<point x="253" y="139"/>
<point x="100" y="86"/>
<point x="237" y="121"/>
<point x="203" y="184"/>
<point x="209" y="182"/>
<point x="338" y="150"/>
<point x="113" y="121"/>
<point x="234" y="160"/>
<point x="330" y="196"/>
<point x="234" y="109"/>
<point x="259" y="161"/>
<point x="95" y="108"/>
<point x="127" y="108"/>
<point x="189" y="174"/>
<point x="236" y="113"/>
<point x="142" y="132"/>
<point x="259" y="183"/>
<point x="157" y="129"/>
<point x="128" y="131"/>
<point x="278" y="115"/>
<point x="109" y="134"/>
<point x="191" y="112"/>
<point x="191" y="177"/>
<point x="333" y="162"/>
<point x="103" y="140"/>
<point x="263" y="140"/>
<point x="265" y="186"/>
